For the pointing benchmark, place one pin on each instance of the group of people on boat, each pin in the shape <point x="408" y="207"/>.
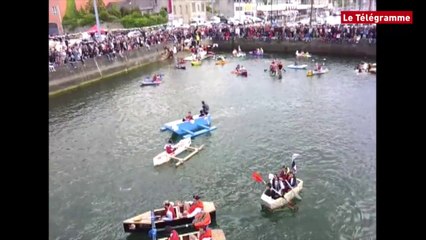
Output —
<point x="238" y="53"/>
<point x="281" y="183"/>
<point x="363" y="67"/>
<point x="302" y="54"/>
<point x="258" y="51"/>
<point x="276" y="67"/>
<point x="203" y="112"/>
<point x="194" y="209"/>
<point x="319" y="67"/>
<point x="156" y="78"/>
<point x="180" y="63"/>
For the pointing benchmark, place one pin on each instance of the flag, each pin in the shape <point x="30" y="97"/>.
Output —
<point x="293" y="162"/>
<point x="293" y="166"/>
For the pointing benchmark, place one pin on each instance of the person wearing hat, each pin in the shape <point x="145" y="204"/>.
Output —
<point x="173" y="233"/>
<point x="205" y="234"/>
<point x="194" y="208"/>
<point x="170" y="212"/>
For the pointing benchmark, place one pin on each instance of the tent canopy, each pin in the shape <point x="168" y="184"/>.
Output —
<point x="95" y="29"/>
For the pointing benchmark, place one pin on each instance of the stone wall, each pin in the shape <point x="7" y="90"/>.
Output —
<point x="361" y="49"/>
<point x="76" y="74"/>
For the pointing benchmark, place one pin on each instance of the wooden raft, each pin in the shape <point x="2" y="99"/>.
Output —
<point x="194" y="150"/>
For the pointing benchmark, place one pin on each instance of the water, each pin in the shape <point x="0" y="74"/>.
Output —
<point x="103" y="139"/>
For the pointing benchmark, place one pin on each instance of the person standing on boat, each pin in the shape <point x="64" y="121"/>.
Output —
<point x="201" y="113"/>
<point x="170" y="212"/>
<point x="173" y="233"/>
<point x="205" y="234"/>
<point x="196" y="207"/>
<point x="205" y="107"/>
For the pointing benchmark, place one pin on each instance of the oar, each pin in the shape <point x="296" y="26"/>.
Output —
<point x="292" y="189"/>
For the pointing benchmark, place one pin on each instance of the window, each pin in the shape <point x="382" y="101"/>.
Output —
<point x="54" y="10"/>
<point x="193" y="7"/>
<point x="180" y="9"/>
<point x="198" y="6"/>
<point x="202" y="7"/>
<point x="238" y="9"/>
<point x="174" y="9"/>
<point x="186" y="9"/>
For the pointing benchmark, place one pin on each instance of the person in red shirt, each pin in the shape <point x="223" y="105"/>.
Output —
<point x="173" y="234"/>
<point x="205" y="234"/>
<point x="169" y="147"/>
<point x="196" y="207"/>
<point x="188" y="117"/>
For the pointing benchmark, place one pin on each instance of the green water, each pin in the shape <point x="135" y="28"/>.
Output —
<point x="103" y="139"/>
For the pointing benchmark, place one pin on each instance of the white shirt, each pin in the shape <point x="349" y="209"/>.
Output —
<point x="169" y="216"/>
<point x="195" y="212"/>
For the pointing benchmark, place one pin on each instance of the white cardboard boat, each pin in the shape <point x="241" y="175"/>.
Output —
<point x="303" y="54"/>
<point x="164" y="157"/>
<point x="272" y="204"/>
<point x="303" y="66"/>
<point x="322" y="71"/>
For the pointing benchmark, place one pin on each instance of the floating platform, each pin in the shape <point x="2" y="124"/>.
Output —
<point x="194" y="150"/>
<point x="189" y="129"/>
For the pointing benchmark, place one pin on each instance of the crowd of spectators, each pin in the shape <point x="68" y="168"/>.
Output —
<point x="66" y="49"/>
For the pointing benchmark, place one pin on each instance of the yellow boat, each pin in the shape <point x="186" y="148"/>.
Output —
<point x="220" y="62"/>
<point x="196" y="63"/>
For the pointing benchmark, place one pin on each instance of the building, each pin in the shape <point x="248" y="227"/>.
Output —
<point x="244" y="8"/>
<point x="224" y="7"/>
<point x="288" y="10"/>
<point x="186" y="11"/>
<point x="57" y="9"/>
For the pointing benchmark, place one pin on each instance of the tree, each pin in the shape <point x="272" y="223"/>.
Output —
<point x="99" y="3"/>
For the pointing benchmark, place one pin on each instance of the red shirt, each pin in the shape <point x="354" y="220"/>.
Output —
<point x="206" y="234"/>
<point x="174" y="235"/>
<point x="169" y="149"/>
<point x="197" y="204"/>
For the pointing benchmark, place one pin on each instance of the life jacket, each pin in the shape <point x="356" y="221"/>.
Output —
<point x="197" y="204"/>
<point x="202" y="220"/>
<point x="172" y="210"/>
<point x="174" y="235"/>
<point x="169" y="149"/>
<point x="207" y="235"/>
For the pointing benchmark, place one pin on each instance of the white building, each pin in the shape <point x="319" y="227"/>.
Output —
<point x="189" y="10"/>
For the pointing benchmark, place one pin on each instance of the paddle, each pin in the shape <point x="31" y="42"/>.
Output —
<point x="292" y="189"/>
